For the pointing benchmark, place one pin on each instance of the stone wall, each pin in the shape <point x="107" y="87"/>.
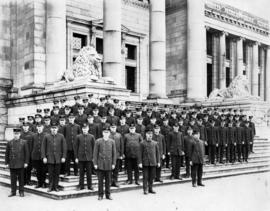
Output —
<point x="176" y="47"/>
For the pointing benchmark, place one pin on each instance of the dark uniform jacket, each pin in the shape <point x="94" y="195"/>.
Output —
<point x="17" y="154"/>
<point x="93" y="129"/>
<point x="104" y="154"/>
<point x="165" y="130"/>
<point x="176" y="143"/>
<point x="247" y="135"/>
<point x="231" y="135"/>
<point x="36" y="148"/>
<point x="161" y="144"/>
<point x="123" y="129"/>
<point x="140" y="129"/>
<point x="81" y="119"/>
<point x="84" y="147"/>
<point x="47" y="129"/>
<point x="239" y="135"/>
<point x="149" y="153"/>
<point x="119" y="144"/>
<point x="223" y="135"/>
<point x="28" y="137"/>
<point x="54" y="148"/>
<point x="197" y="151"/>
<point x="70" y="133"/>
<point x="187" y="145"/>
<point x="132" y="145"/>
<point x="112" y="120"/>
<point x="203" y="133"/>
<point x="212" y="135"/>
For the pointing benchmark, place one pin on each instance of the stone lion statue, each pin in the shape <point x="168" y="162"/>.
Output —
<point x="87" y="64"/>
<point x="237" y="89"/>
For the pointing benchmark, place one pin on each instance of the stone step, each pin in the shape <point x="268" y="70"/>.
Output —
<point x="72" y="182"/>
<point x="74" y="193"/>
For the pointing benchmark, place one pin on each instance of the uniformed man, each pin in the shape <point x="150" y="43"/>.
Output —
<point x="104" y="161"/>
<point x="27" y="135"/>
<point x="231" y="148"/>
<point x="247" y="140"/>
<point x="53" y="153"/>
<point x="74" y="108"/>
<point x="111" y="118"/>
<point x="140" y="128"/>
<point x="83" y="150"/>
<point x="223" y="140"/>
<point x="239" y="140"/>
<point x="36" y="157"/>
<point x="149" y="160"/>
<point x="176" y="145"/>
<point x="119" y="145"/>
<point x="132" y="146"/>
<point x="93" y="128"/>
<point x="81" y="117"/>
<point x="197" y="159"/>
<point x="159" y="138"/>
<point x="252" y="125"/>
<point x="71" y="130"/>
<point x="165" y="131"/>
<point x="16" y="159"/>
<point x="188" y="139"/>
<point x="212" y="141"/>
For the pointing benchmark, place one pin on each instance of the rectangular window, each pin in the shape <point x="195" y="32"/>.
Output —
<point x="131" y="51"/>
<point x="99" y="45"/>
<point x="244" y="53"/>
<point x="209" y="44"/>
<point x="228" y="77"/>
<point x="78" y="41"/>
<point x="259" y="57"/>
<point x="228" y="48"/>
<point x="131" y="78"/>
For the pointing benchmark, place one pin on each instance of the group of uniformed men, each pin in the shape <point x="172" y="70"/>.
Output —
<point x="101" y="136"/>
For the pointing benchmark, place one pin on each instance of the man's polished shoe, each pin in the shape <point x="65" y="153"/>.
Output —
<point x="38" y="186"/>
<point x="200" y="184"/>
<point x="129" y="182"/>
<point x="194" y="185"/>
<point x="90" y="188"/>
<point x="100" y="198"/>
<point x="22" y="194"/>
<point x="57" y="189"/>
<point x="109" y="197"/>
<point x="12" y="194"/>
<point x="137" y="183"/>
<point x="145" y="192"/>
<point x="151" y="191"/>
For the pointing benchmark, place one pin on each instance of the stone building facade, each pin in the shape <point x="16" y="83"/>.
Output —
<point x="176" y="50"/>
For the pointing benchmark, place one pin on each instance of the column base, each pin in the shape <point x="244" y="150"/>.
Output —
<point x="152" y="98"/>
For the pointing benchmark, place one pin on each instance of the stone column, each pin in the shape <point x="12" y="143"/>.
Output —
<point x="93" y="36"/>
<point x="112" y="57"/>
<point x="55" y="40"/>
<point x="267" y="75"/>
<point x="215" y="62"/>
<point x="254" y="70"/>
<point x="222" y="60"/>
<point x="157" y="76"/>
<point x="262" y="58"/>
<point x="196" y="56"/>
<point x="239" y="67"/>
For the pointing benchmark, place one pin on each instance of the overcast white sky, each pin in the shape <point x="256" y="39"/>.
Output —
<point x="259" y="8"/>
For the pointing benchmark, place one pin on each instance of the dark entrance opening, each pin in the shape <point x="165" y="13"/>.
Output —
<point x="209" y="79"/>
<point x="130" y="78"/>
<point x="228" y="78"/>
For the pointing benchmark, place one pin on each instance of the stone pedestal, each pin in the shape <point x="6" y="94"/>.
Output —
<point x="5" y="85"/>
<point x="196" y="47"/>
<point x="55" y="40"/>
<point x="112" y="58"/>
<point x="157" y="76"/>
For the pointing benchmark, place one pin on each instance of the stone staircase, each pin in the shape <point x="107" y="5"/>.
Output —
<point x="258" y="162"/>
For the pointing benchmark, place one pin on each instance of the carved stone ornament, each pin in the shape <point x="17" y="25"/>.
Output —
<point x="87" y="64"/>
<point x="238" y="89"/>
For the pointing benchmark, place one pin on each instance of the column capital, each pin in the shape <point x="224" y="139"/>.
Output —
<point x="207" y="28"/>
<point x="240" y="38"/>
<point x="93" y="30"/>
<point x="224" y="33"/>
